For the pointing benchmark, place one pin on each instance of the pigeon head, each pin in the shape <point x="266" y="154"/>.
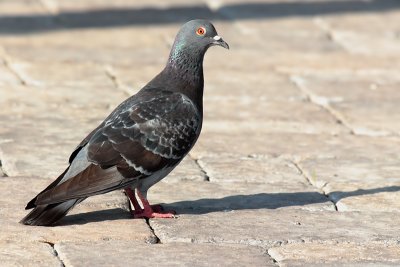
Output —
<point x="193" y="40"/>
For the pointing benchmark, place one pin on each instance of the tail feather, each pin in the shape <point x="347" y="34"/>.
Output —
<point x="31" y="204"/>
<point x="48" y="214"/>
<point x="44" y="215"/>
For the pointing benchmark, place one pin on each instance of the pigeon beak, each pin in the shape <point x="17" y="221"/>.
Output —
<point x="219" y="41"/>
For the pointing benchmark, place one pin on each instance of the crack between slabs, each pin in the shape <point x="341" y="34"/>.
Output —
<point x="54" y="251"/>
<point x="155" y="239"/>
<point x="7" y="62"/>
<point x="310" y="181"/>
<point x="110" y="73"/>
<point x="321" y="102"/>
<point x="296" y="163"/>
<point x="327" y="29"/>
<point x="324" y="104"/>
<point x="206" y="177"/>
<point x="329" y="197"/>
<point x="2" y="171"/>
<point x="272" y="258"/>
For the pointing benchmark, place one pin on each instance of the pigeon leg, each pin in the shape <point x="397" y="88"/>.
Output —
<point x="129" y="192"/>
<point x="137" y="208"/>
<point x="149" y="212"/>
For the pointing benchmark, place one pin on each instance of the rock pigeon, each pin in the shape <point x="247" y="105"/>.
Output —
<point x="142" y="140"/>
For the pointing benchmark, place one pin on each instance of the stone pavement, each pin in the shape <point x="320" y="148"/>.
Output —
<point x="299" y="160"/>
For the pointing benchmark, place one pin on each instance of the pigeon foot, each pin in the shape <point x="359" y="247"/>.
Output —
<point x="148" y="215"/>
<point x="157" y="211"/>
<point x="148" y="211"/>
<point x="152" y="211"/>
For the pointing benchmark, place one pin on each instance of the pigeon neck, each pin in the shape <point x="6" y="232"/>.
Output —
<point x="188" y="65"/>
<point x="185" y="71"/>
<point x="188" y="70"/>
<point x="186" y="59"/>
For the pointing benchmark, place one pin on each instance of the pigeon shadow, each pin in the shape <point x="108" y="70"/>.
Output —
<point x="95" y="216"/>
<point x="126" y="16"/>
<point x="338" y="195"/>
<point x="268" y="200"/>
<point x="228" y="203"/>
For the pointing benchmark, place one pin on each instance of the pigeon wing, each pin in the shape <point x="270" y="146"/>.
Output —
<point x="154" y="133"/>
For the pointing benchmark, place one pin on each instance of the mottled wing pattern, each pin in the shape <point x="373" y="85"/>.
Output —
<point x="153" y="133"/>
<point x="149" y="136"/>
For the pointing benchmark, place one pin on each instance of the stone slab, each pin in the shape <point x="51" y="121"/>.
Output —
<point x="367" y="100"/>
<point x="122" y="253"/>
<point x="100" y="218"/>
<point x="233" y="82"/>
<point x="357" y="182"/>
<point x="315" y="254"/>
<point x="269" y="228"/>
<point x="103" y="56"/>
<point x="54" y="74"/>
<point x="356" y="168"/>
<point x="335" y="64"/>
<point x="252" y="168"/>
<point x="357" y="43"/>
<point x="192" y="197"/>
<point x="187" y="170"/>
<point x="365" y="196"/>
<point x="238" y="100"/>
<point x="25" y="253"/>
<point x="353" y="33"/>
<point x="21" y="7"/>
<point x="292" y="145"/>
<point x="368" y="22"/>
<point x="255" y="182"/>
<point x="249" y="114"/>
<point x="7" y="77"/>
<point x="55" y="117"/>
<point x="280" y="35"/>
<point x="120" y="45"/>
<point x="134" y="76"/>
<point x="270" y="144"/>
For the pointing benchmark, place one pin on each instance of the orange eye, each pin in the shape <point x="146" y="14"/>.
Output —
<point x="201" y="31"/>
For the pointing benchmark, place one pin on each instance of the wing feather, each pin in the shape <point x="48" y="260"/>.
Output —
<point x="146" y="133"/>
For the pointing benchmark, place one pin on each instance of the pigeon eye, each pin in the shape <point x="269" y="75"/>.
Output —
<point x="201" y="31"/>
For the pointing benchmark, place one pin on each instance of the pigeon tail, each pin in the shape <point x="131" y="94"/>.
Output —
<point x="44" y="215"/>
<point x="48" y="214"/>
<point x="31" y="204"/>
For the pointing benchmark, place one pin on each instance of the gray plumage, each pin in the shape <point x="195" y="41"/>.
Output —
<point x="143" y="139"/>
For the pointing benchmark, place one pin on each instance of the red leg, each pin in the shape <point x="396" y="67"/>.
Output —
<point x="148" y="211"/>
<point x="129" y="192"/>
